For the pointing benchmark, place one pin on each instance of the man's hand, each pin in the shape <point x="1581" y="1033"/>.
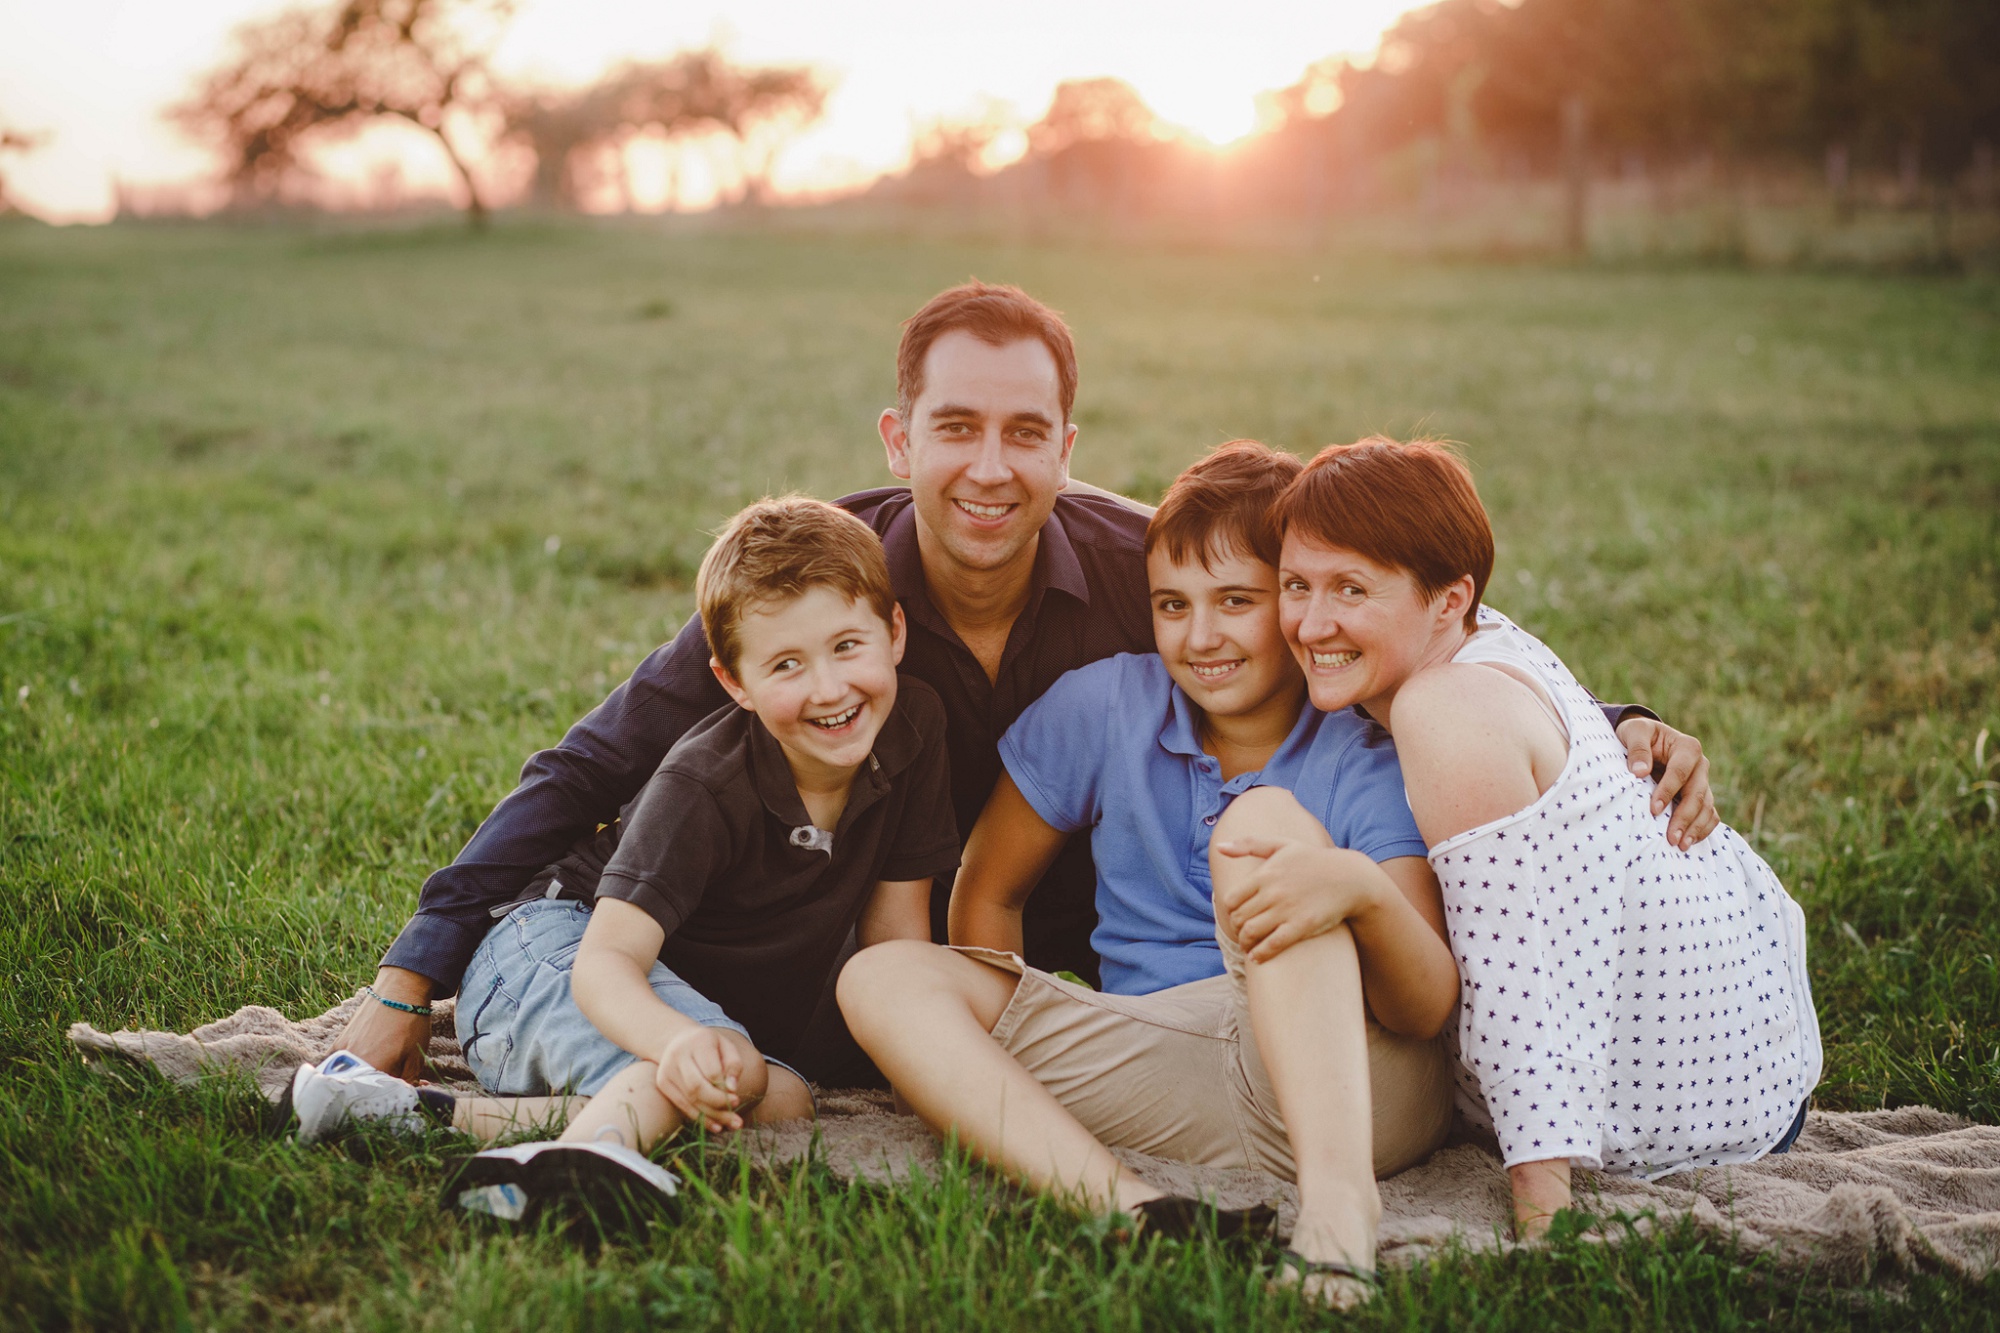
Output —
<point x="1299" y="891"/>
<point x="390" y="1039"/>
<point x="700" y="1073"/>
<point x="1682" y="771"/>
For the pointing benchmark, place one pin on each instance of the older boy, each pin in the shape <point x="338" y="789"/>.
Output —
<point x="670" y="966"/>
<point x="1273" y="1005"/>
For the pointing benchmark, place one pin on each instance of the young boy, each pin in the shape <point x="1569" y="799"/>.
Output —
<point x="669" y="968"/>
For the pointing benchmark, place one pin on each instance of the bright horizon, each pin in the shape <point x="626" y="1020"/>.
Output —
<point x="95" y="73"/>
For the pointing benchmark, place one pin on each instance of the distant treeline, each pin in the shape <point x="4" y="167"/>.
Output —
<point x="1901" y="97"/>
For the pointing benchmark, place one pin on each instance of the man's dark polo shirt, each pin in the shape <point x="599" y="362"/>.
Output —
<point x="717" y="849"/>
<point x="1087" y="600"/>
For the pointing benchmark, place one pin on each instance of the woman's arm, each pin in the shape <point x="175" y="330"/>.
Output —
<point x="609" y="981"/>
<point x="899" y="909"/>
<point x="1009" y="849"/>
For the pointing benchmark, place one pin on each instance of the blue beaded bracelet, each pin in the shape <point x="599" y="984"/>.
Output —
<point x="421" y="1010"/>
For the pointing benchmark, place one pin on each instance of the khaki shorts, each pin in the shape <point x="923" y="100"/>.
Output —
<point x="1177" y="1073"/>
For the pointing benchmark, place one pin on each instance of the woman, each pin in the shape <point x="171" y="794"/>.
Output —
<point x="1626" y="1004"/>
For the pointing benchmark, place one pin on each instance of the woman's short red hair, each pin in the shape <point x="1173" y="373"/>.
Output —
<point x="1411" y="506"/>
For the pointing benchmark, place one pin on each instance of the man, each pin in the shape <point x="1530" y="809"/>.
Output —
<point x="1009" y="575"/>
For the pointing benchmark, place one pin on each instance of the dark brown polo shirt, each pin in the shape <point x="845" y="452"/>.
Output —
<point x="718" y="848"/>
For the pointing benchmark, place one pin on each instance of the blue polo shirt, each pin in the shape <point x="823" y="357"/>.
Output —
<point x="1114" y="747"/>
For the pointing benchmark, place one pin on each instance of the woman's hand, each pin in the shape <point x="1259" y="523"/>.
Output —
<point x="701" y="1071"/>
<point x="1299" y="891"/>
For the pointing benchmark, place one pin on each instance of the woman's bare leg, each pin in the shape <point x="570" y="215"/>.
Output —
<point x="1307" y="1012"/>
<point x="925" y="1015"/>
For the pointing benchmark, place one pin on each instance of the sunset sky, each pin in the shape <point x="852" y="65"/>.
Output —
<point x="94" y="73"/>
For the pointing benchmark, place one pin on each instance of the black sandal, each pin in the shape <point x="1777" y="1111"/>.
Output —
<point x="1291" y="1258"/>
<point x="1176" y="1217"/>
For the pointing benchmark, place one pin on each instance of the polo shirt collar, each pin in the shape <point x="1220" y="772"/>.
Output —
<point x="1181" y="732"/>
<point x="1056" y="566"/>
<point x="897" y="746"/>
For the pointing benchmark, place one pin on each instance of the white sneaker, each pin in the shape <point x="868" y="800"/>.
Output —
<point x="343" y="1088"/>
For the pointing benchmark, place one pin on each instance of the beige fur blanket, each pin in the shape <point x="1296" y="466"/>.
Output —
<point x="1906" y="1190"/>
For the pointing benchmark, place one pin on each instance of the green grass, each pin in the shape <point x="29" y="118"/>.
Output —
<point x="307" y="539"/>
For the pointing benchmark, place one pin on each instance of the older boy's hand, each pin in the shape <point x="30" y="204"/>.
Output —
<point x="1299" y="891"/>
<point x="1681" y="773"/>
<point x="700" y="1073"/>
<point x="390" y="1039"/>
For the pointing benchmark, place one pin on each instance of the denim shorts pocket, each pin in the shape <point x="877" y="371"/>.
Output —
<point x="486" y="1031"/>
<point x="550" y="933"/>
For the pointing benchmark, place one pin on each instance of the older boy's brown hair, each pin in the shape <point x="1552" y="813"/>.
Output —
<point x="1222" y="504"/>
<point x="781" y="548"/>
<point x="994" y="314"/>
<point x="1410" y="506"/>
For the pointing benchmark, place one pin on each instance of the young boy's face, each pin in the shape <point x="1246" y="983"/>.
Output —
<point x="819" y="670"/>
<point x="1217" y="631"/>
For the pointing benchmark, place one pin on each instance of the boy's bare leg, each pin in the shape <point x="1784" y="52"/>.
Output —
<point x="925" y="1015"/>
<point x="631" y="1110"/>
<point x="490" y="1119"/>
<point x="1310" y="1024"/>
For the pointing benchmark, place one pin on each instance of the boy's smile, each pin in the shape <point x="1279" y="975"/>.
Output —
<point x="1217" y="630"/>
<point x="819" y="670"/>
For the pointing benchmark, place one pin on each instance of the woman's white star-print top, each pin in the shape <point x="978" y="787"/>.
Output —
<point x="1622" y="1004"/>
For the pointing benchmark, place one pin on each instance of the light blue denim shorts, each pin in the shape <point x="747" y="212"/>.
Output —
<point x="520" y="1029"/>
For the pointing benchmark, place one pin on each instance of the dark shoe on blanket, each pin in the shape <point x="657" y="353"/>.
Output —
<point x="1176" y="1217"/>
<point x="599" y="1180"/>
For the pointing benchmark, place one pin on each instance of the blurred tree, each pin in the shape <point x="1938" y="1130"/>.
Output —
<point x="1095" y="143"/>
<point x="696" y="91"/>
<point x="308" y="71"/>
<point x="15" y="141"/>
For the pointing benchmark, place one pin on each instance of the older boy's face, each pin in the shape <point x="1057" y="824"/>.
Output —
<point x="1217" y="631"/>
<point x="820" y="671"/>
<point x="985" y="449"/>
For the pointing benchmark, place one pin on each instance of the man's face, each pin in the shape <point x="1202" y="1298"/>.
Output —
<point x="985" y="449"/>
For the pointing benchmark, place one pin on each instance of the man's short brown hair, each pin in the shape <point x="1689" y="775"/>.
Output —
<point x="1222" y="505"/>
<point x="1410" y="506"/>
<point x="996" y="315"/>
<point x="782" y="548"/>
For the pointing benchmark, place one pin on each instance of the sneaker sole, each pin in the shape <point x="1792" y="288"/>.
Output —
<point x="558" y="1175"/>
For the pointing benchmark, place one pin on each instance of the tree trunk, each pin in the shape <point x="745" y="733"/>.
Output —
<point x="475" y="207"/>
<point x="1837" y="182"/>
<point x="1576" y="173"/>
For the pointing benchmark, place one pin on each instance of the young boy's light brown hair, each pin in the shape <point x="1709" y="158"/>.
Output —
<point x="778" y="549"/>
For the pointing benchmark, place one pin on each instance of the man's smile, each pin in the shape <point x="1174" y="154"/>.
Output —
<point x="988" y="512"/>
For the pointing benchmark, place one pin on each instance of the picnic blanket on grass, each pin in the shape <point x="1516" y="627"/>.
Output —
<point x="1905" y="1190"/>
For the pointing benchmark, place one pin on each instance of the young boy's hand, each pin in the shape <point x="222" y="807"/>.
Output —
<point x="701" y="1071"/>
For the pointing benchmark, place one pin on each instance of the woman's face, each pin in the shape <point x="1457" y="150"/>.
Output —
<point x="1358" y="629"/>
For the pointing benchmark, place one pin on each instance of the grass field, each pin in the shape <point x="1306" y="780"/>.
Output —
<point x="308" y="539"/>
